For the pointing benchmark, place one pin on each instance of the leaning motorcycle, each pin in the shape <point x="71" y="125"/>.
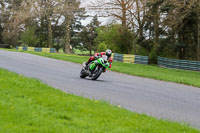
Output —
<point x="95" y="68"/>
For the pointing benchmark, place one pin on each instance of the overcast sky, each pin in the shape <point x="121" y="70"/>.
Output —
<point x="85" y="3"/>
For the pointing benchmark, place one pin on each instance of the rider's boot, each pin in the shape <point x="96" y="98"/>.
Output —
<point x="84" y="66"/>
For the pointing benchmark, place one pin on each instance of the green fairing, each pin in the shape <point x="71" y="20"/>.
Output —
<point x="92" y="66"/>
<point x="100" y="61"/>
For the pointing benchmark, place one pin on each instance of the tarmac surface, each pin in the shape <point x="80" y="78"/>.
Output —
<point x="160" y="99"/>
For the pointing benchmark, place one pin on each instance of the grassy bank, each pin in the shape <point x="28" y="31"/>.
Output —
<point x="173" y="75"/>
<point x="27" y="105"/>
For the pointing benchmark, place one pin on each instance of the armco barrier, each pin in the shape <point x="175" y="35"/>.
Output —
<point x="38" y="49"/>
<point x="129" y="58"/>
<point x="31" y="48"/>
<point x="25" y="48"/>
<point x="52" y="50"/>
<point x="126" y="58"/>
<point x="141" y="59"/>
<point x="48" y="50"/>
<point x="113" y="55"/>
<point x="118" y="57"/>
<point x="198" y="67"/>
<point x="179" y="64"/>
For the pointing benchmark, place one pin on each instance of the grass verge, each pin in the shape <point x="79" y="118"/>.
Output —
<point x="27" y="105"/>
<point x="191" y="78"/>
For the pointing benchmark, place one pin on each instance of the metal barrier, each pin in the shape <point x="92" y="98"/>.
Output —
<point x="129" y="58"/>
<point x="126" y="58"/>
<point x="141" y="59"/>
<point x="38" y="49"/>
<point x="48" y="50"/>
<point x="179" y="64"/>
<point x="118" y="57"/>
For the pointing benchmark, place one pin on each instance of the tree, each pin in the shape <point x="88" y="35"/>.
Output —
<point x="42" y="14"/>
<point x="102" y="47"/>
<point x="138" y="17"/>
<point x="29" y="38"/>
<point x="10" y="21"/>
<point x="1" y="30"/>
<point x="119" y="9"/>
<point x="116" y="37"/>
<point x="198" y="40"/>
<point x="69" y="8"/>
<point x="185" y="27"/>
<point x="89" y="34"/>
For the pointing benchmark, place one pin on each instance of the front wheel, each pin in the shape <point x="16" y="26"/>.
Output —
<point x="97" y="72"/>
<point x="83" y="74"/>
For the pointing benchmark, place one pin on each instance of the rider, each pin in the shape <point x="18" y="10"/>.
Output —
<point x="108" y="53"/>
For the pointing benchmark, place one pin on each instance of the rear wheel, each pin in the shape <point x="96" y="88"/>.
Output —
<point x="97" y="72"/>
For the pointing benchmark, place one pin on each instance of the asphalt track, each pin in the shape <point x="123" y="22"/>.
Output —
<point x="156" y="98"/>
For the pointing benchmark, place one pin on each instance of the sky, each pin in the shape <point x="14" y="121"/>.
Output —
<point x="86" y="3"/>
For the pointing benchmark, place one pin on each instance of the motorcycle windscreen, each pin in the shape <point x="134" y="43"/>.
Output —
<point x="105" y="58"/>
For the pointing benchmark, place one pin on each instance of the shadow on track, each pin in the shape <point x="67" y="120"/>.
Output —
<point x="98" y="80"/>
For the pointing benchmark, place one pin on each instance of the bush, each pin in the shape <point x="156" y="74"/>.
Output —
<point x="102" y="47"/>
<point x="153" y="56"/>
<point x="28" y="37"/>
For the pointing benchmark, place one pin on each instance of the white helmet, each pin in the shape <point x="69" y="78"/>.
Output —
<point x="108" y="53"/>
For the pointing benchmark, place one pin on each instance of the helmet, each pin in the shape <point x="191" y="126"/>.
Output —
<point x="108" y="53"/>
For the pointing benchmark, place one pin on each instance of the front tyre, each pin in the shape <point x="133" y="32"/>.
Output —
<point x="97" y="73"/>
<point x="83" y="74"/>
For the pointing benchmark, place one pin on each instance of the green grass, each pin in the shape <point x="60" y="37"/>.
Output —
<point x="191" y="78"/>
<point x="81" y="52"/>
<point x="78" y="52"/>
<point x="27" y="105"/>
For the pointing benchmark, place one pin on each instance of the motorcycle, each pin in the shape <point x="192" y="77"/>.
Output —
<point x="95" y="68"/>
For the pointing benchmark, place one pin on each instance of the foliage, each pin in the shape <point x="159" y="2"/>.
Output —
<point x="49" y="17"/>
<point x="153" y="56"/>
<point x="102" y="47"/>
<point x="116" y="37"/>
<point x="89" y="34"/>
<point x="29" y="38"/>
<point x="108" y="35"/>
<point x="176" y="36"/>
<point x="1" y="31"/>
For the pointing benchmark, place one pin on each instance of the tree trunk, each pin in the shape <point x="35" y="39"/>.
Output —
<point x="140" y="30"/>
<point x="47" y="5"/>
<point x="90" y="48"/>
<point x="49" y="31"/>
<point x="156" y="28"/>
<point x="198" y="39"/>
<point x="67" y="36"/>
<point x="123" y="13"/>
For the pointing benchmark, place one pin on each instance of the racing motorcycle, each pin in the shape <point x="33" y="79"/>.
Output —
<point x="95" y="68"/>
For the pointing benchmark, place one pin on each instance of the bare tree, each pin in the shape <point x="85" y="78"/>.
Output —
<point x="68" y="9"/>
<point x="18" y="14"/>
<point x="138" y="17"/>
<point x="119" y="9"/>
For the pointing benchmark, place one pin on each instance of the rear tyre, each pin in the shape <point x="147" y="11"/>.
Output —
<point x="97" y="73"/>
